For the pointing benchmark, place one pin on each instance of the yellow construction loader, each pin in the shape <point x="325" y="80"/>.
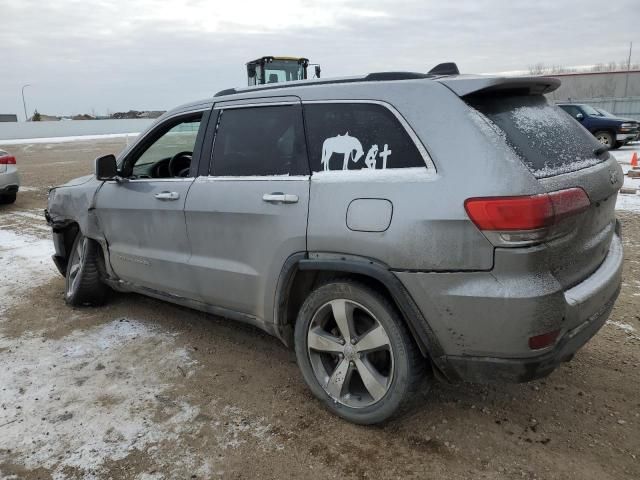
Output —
<point x="279" y="69"/>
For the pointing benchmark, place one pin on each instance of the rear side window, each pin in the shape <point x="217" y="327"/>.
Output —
<point x="353" y="136"/>
<point x="548" y="141"/>
<point x="260" y="141"/>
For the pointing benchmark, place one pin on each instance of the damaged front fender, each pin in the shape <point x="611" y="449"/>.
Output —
<point x="70" y="208"/>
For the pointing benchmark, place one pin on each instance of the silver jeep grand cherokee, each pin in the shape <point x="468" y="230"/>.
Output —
<point x="383" y="226"/>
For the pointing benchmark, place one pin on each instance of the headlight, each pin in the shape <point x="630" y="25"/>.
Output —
<point x="628" y="125"/>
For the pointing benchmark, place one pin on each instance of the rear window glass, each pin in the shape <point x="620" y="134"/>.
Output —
<point x="547" y="139"/>
<point x="356" y="136"/>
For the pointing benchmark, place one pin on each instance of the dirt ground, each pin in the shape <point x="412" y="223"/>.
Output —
<point x="141" y="389"/>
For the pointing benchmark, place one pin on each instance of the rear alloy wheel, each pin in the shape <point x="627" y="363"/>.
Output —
<point x="83" y="285"/>
<point x="605" y="138"/>
<point x="355" y="353"/>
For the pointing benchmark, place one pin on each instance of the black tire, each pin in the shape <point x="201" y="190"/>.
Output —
<point x="407" y="363"/>
<point x="606" y="138"/>
<point x="617" y="145"/>
<point x="8" y="198"/>
<point x="83" y="285"/>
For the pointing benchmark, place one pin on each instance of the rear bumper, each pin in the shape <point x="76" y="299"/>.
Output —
<point x="489" y="370"/>
<point x="626" y="137"/>
<point x="484" y="320"/>
<point x="9" y="180"/>
<point x="8" y="189"/>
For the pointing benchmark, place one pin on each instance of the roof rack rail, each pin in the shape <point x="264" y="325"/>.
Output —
<point x="382" y="76"/>
<point x="371" y="77"/>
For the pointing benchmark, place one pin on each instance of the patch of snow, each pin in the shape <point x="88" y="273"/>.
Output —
<point x="96" y="395"/>
<point x="624" y="154"/>
<point x="25" y="262"/>
<point x="577" y="164"/>
<point x="622" y="326"/>
<point x="32" y="214"/>
<point x="628" y="202"/>
<point x="75" y="138"/>
<point x="413" y="174"/>
<point x="540" y="120"/>
<point x="82" y="399"/>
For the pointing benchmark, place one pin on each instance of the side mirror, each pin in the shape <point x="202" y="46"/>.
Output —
<point x="106" y="167"/>
<point x="579" y="116"/>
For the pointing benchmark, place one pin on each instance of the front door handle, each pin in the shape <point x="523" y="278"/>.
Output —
<point x="279" y="197"/>
<point x="167" y="196"/>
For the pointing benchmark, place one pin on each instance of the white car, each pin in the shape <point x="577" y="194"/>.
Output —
<point x="9" y="178"/>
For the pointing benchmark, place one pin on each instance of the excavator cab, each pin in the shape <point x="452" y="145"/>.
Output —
<point x="278" y="69"/>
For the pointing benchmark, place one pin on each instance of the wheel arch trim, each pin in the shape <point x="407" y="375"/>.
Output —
<point x="418" y="325"/>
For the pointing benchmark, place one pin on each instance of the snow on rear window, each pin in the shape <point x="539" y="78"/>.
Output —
<point x="548" y="141"/>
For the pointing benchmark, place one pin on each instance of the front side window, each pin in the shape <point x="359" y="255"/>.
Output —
<point x="169" y="154"/>
<point x="355" y="136"/>
<point x="260" y="141"/>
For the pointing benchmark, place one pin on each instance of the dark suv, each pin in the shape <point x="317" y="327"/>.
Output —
<point x="610" y="130"/>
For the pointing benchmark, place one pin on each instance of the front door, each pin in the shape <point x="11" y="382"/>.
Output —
<point x="250" y="213"/>
<point x="142" y="215"/>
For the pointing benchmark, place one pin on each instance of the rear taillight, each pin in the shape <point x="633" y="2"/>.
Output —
<point x="524" y="220"/>
<point x="8" y="160"/>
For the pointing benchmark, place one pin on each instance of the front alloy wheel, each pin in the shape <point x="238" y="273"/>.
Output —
<point x="76" y="262"/>
<point x="83" y="284"/>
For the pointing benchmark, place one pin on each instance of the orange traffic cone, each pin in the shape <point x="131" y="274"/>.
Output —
<point x="634" y="160"/>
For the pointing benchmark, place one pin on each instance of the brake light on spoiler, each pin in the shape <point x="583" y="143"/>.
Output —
<point x="525" y="220"/>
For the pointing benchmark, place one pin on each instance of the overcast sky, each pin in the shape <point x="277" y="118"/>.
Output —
<point x="84" y="55"/>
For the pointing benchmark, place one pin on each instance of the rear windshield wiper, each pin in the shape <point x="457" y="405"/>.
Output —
<point x="600" y="150"/>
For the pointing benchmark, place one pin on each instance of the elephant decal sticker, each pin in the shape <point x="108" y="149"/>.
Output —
<point x="351" y="149"/>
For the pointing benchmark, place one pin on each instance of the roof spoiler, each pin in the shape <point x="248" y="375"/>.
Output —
<point x="467" y="85"/>
<point x="447" y="68"/>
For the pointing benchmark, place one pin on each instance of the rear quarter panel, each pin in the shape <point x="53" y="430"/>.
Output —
<point x="429" y="229"/>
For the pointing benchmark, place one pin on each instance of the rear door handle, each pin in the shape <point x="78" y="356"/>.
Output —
<point x="167" y="196"/>
<point x="279" y="197"/>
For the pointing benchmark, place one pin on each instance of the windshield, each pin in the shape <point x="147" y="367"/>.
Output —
<point x="283" y="71"/>
<point x="604" y="113"/>
<point x="589" y="110"/>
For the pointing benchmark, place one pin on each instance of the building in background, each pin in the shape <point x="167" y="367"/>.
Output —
<point x="8" y="117"/>
<point x="617" y="92"/>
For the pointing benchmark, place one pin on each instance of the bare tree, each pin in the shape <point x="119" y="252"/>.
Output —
<point x="542" y="69"/>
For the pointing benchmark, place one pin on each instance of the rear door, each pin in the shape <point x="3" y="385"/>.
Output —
<point x="249" y="213"/>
